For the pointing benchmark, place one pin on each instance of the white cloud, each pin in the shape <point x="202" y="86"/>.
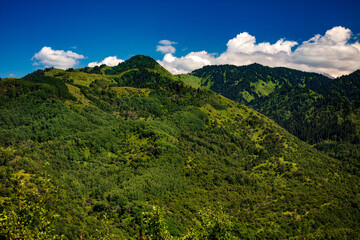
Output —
<point x="167" y="42"/>
<point x="56" y="58"/>
<point x="241" y="50"/>
<point x="245" y="43"/>
<point x="191" y="61"/>
<point x="166" y="47"/>
<point x="11" y="75"/>
<point x="109" y="61"/>
<point x="331" y="54"/>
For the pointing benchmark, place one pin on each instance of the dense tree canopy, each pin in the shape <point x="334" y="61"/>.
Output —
<point x="321" y="111"/>
<point x="138" y="154"/>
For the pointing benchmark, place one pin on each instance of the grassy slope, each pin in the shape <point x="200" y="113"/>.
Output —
<point x="190" y="80"/>
<point x="111" y="153"/>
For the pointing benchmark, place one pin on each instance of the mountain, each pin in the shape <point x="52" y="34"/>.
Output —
<point x="345" y="86"/>
<point x="247" y="83"/>
<point x="331" y="124"/>
<point x="321" y="111"/>
<point x="131" y="152"/>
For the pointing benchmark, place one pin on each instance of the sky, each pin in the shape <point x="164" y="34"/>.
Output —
<point x="317" y="36"/>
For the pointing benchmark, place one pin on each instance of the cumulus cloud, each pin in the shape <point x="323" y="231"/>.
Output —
<point x="167" y="42"/>
<point x="166" y="47"/>
<point x="245" y="43"/>
<point x="241" y="50"/>
<point x="109" y="61"/>
<point x="331" y="54"/>
<point x="191" y="61"/>
<point x="56" y="58"/>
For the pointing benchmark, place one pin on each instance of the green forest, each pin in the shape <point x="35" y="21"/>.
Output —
<point x="321" y="111"/>
<point x="134" y="152"/>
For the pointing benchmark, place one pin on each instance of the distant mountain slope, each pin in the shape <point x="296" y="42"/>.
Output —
<point x="311" y="116"/>
<point x="140" y="155"/>
<point x="345" y="86"/>
<point x="246" y="83"/>
<point x="316" y="109"/>
<point x="331" y="124"/>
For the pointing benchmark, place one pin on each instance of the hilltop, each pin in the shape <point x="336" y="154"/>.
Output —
<point x="132" y="152"/>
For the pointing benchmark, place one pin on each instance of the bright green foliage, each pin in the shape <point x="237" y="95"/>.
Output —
<point x="212" y="225"/>
<point x="30" y="218"/>
<point x="190" y="80"/>
<point x="138" y="155"/>
<point x="155" y="227"/>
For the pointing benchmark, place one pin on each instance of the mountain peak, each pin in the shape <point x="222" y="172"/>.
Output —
<point x="139" y="61"/>
<point x="255" y="64"/>
<point x="135" y="62"/>
<point x="141" y="58"/>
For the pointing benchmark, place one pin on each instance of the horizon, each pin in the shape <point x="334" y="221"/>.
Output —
<point x="225" y="64"/>
<point x="182" y="37"/>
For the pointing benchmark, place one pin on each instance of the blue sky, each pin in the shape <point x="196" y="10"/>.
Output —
<point x="202" y="31"/>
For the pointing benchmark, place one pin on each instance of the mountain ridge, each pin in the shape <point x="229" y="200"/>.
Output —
<point x="246" y="83"/>
<point x="141" y="155"/>
<point x="316" y="109"/>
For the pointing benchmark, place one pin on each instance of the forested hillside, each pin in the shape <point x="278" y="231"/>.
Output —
<point x="248" y="83"/>
<point x="321" y="111"/>
<point x="331" y="124"/>
<point x="131" y="152"/>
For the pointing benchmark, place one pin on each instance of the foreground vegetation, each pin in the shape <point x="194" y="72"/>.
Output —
<point x="130" y="152"/>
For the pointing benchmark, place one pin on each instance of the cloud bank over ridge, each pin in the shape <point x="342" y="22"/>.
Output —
<point x="334" y="53"/>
